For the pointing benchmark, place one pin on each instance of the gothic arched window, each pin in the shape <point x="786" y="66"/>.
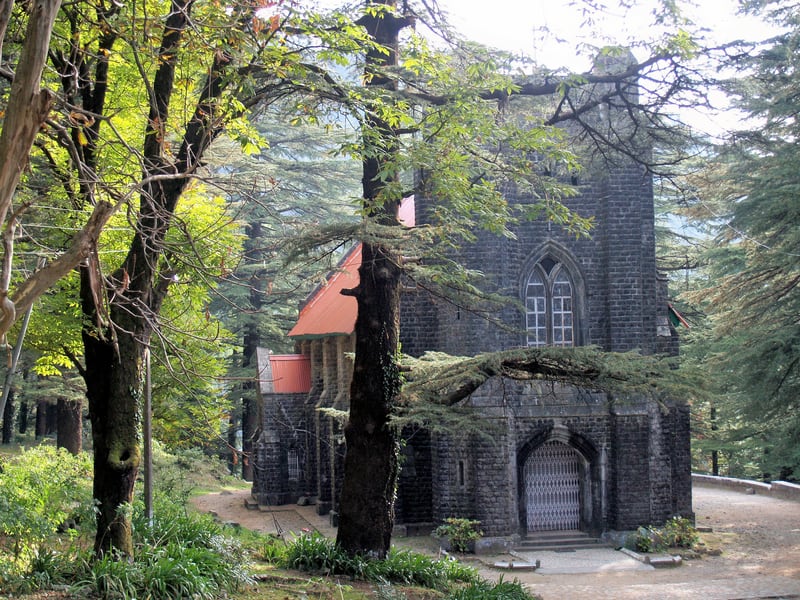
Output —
<point x="550" y="305"/>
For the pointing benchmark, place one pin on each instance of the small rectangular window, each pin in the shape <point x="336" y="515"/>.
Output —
<point x="294" y="465"/>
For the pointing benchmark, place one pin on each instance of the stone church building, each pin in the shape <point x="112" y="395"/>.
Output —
<point x="558" y="457"/>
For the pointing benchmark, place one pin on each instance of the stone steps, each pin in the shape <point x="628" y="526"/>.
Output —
<point x="558" y="541"/>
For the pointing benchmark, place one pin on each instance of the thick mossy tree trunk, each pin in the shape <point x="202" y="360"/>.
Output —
<point x="113" y="387"/>
<point x="366" y="506"/>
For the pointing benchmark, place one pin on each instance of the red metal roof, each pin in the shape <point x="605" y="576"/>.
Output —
<point x="328" y="312"/>
<point x="291" y="373"/>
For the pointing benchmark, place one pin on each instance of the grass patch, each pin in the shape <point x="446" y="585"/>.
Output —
<point x="183" y="554"/>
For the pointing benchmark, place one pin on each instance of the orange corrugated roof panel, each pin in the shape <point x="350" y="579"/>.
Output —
<point x="291" y="373"/>
<point x="328" y="312"/>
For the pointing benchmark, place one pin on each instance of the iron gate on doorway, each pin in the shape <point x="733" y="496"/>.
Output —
<point x="552" y="488"/>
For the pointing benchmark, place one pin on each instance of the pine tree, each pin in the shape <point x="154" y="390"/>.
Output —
<point x="753" y="291"/>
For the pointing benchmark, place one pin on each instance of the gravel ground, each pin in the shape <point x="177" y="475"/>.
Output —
<point x="760" y="542"/>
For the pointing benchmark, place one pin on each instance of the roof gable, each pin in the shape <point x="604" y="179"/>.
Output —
<point x="327" y="311"/>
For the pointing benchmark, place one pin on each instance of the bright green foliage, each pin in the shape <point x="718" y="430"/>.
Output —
<point x="191" y="347"/>
<point x="185" y="556"/>
<point x="40" y="490"/>
<point x="180" y="555"/>
<point x="460" y="532"/>
<point x="313" y="552"/>
<point x="677" y="532"/>
<point x="753" y="289"/>
<point x="484" y="590"/>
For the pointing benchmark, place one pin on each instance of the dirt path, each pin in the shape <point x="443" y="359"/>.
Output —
<point x="759" y="537"/>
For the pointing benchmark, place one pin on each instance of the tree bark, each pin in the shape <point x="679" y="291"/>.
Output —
<point x="26" y="111"/>
<point x="366" y="506"/>
<point x="41" y="419"/>
<point x="113" y="389"/>
<point x="28" y="105"/>
<point x="70" y="431"/>
<point x="8" y="419"/>
<point x="23" y="418"/>
<point x="114" y="342"/>
<point x="250" y="409"/>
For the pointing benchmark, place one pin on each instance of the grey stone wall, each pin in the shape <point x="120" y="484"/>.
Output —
<point x="635" y="467"/>
<point x="623" y="299"/>
<point x="283" y="430"/>
<point x="415" y="488"/>
<point x="634" y="452"/>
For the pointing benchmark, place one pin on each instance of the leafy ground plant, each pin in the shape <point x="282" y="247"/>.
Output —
<point x="450" y="578"/>
<point x="44" y="491"/>
<point x="677" y="532"/>
<point x="460" y="532"/>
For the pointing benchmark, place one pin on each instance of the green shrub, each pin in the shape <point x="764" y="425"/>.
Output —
<point x="679" y="532"/>
<point x="642" y="542"/>
<point x="484" y="590"/>
<point x="272" y="550"/>
<point x="314" y="552"/>
<point x="41" y="489"/>
<point x="460" y="532"/>
<point x="171" y="571"/>
<point x="413" y="568"/>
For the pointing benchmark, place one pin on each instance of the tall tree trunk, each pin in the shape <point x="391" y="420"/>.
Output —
<point x="70" y="431"/>
<point x="113" y="387"/>
<point x="250" y="424"/>
<point x="41" y="419"/>
<point x="233" y="453"/>
<point x="114" y="343"/>
<point x="23" y="417"/>
<point x="366" y="507"/>
<point x="8" y="418"/>
<point x="250" y="411"/>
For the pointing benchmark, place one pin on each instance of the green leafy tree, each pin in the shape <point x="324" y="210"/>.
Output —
<point x="196" y="68"/>
<point x="40" y="489"/>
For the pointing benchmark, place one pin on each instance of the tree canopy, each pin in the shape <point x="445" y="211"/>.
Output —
<point x="751" y="276"/>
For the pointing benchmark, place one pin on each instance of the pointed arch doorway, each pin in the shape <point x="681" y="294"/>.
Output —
<point x="552" y="488"/>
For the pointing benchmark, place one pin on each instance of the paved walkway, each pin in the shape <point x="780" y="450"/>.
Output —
<point x="759" y="536"/>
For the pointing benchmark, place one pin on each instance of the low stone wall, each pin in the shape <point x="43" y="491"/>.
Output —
<point x="776" y="489"/>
